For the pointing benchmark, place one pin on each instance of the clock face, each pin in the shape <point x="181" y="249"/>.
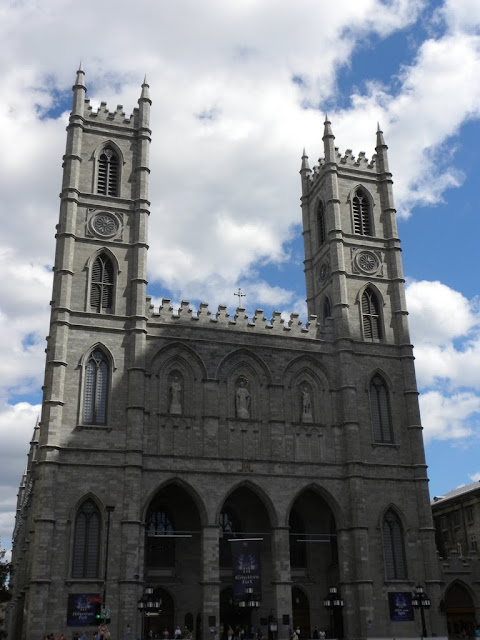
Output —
<point x="105" y="225"/>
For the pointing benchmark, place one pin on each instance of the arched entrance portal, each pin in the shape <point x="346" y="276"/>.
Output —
<point x="173" y="548"/>
<point x="245" y="561"/>
<point x="236" y="617"/>
<point x="155" y="625"/>
<point x="301" y="612"/>
<point x="460" y="611"/>
<point x="313" y="563"/>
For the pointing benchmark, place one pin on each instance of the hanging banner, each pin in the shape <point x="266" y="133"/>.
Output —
<point x="81" y="609"/>
<point x="246" y="572"/>
<point x="400" y="605"/>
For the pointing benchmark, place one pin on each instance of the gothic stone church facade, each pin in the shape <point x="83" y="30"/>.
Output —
<point x="166" y="438"/>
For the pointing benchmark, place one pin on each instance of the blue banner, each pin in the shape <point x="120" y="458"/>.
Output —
<point x="400" y="605"/>
<point x="81" y="609"/>
<point x="246" y="572"/>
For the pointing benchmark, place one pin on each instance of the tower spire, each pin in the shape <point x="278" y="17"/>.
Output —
<point x="79" y="91"/>
<point x="381" y="149"/>
<point x="145" y="95"/>
<point x="328" y="141"/>
<point x="305" y="166"/>
<point x="305" y="172"/>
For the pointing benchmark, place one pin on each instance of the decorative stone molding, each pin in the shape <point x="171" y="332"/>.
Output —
<point x="367" y="262"/>
<point x="103" y="224"/>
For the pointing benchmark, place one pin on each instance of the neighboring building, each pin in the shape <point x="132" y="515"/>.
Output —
<point x="456" y="516"/>
<point x="174" y="446"/>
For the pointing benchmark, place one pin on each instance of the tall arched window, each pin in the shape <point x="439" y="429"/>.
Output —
<point x="86" y="542"/>
<point x="380" y="408"/>
<point x="321" y="228"/>
<point x="108" y="172"/>
<point x="160" y="543"/>
<point x="298" y="550"/>
<point x="96" y="388"/>
<point x="229" y="528"/>
<point x="362" y="224"/>
<point x="102" y="285"/>
<point x="393" y="547"/>
<point x="372" y="329"/>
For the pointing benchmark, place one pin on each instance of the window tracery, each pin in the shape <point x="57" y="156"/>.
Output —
<point x="97" y="374"/>
<point x="393" y="547"/>
<point x="86" y="544"/>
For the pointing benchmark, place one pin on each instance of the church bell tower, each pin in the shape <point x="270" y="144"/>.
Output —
<point x="353" y="267"/>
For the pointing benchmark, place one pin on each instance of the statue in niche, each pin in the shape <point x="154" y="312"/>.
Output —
<point x="307" y="415"/>
<point x="242" y="399"/>
<point x="176" y="396"/>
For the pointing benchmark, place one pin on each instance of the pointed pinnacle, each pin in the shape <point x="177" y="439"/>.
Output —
<point x="327" y="130"/>
<point x="305" y="166"/>
<point x="380" y="138"/>
<point x="145" y="95"/>
<point x="80" y="79"/>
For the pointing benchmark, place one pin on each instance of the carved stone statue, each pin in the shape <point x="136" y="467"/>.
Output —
<point x="242" y="400"/>
<point x="307" y="415"/>
<point x="176" y="396"/>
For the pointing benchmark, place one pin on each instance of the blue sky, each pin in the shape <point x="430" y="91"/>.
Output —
<point x="239" y="88"/>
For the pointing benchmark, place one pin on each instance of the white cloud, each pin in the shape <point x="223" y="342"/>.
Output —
<point x="438" y="314"/>
<point x="454" y="417"/>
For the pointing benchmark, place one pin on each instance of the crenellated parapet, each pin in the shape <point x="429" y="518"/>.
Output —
<point x="348" y="159"/>
<point x="103" y="114"/>
<point x="238" y="321"/>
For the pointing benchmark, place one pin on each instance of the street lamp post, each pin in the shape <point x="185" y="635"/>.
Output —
<point x="333" y="601"/>
<point x="421" y="601"/>
<point x="148" y="604"/>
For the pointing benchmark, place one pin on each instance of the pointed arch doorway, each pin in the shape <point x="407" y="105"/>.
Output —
<point x="460" y="611"/>
<point x="301" y="612"/>
<point x="154" y="626"/>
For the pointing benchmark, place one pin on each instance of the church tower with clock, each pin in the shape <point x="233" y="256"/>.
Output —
<point x="205" y="469"/>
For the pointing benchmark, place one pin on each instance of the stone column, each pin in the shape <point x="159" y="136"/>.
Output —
<point x="282" y="580"/>
<point x="210" y="581"/>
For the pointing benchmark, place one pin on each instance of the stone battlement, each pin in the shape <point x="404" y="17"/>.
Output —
<point x="348" y="159"/>
<point x="240" y="321"/>
<point x="105" y="115"/>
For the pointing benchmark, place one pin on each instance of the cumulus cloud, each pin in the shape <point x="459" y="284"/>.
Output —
<point x="454" y="417"/>
<point x="438" y="313"/>
<point x="445" y="329"/>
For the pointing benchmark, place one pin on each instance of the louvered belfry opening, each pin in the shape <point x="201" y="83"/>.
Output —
<point x="361" y="214"/>
<point x="380" y="408"/>
<point x="96" y="389"/>
<point x="322" y="233"/>
<point x="101" y="290"/>
<point x="393" y="547"/>
<point x="108" y="173"/>
<point x="371" y="316"/>
<point x="86" y="543"/>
